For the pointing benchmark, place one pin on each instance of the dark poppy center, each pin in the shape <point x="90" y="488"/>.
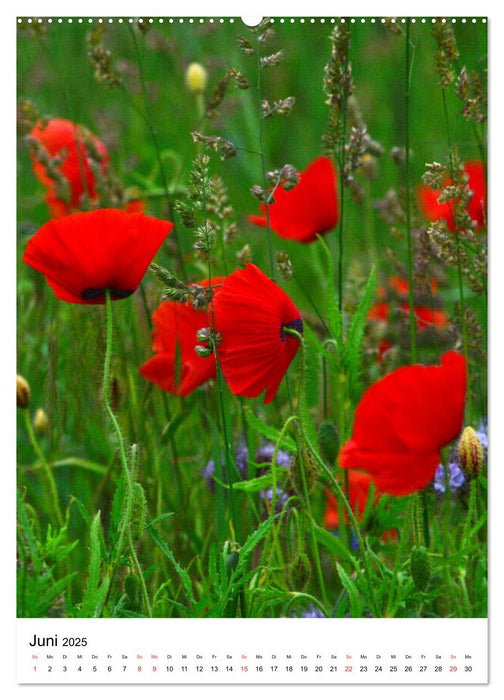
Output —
<point x="296" y="325"/>
<point x="91" y="293"/>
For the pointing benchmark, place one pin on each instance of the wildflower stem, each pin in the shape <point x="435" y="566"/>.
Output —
<point x="155" y="141"/>
<point x="140" y="575"/>
<point x="412" y="323"/>
<point x="339" y="490"/>
<point x="51" y="484"/>
<point x="269" y="235"/>
<point x="122" y="449"/>
<point x="306" y="495"/>
<point x="460" y="277"/>
<point x="228" y="453"/>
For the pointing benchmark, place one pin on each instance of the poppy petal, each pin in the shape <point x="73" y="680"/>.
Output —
<point x="310" y="208"/>
<point x="84" y="254"/>
<point x="63" y="139"/>
<point x="403" y="420"/>
<point x="176" y="367"/>
<point x="433" y="210"/>
<point x="250" y="313"/>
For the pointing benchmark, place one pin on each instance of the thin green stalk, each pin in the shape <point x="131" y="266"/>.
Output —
<point x="460" y="276"/>
<point x="412" y="321"/>
<point x="229" y="462"/>
<point x="155" y="141"/>
<point x="51" y="484"/>
<point x="341" y="215"/>
<point x="269" y="235"/>
<point x="306" y="496"/>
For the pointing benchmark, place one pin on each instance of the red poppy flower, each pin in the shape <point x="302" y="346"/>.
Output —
<point x="403" y="420"/>
<point x="64" y="140"/>
<point x="84" y="254"/>
<point x="251" y="313"/>
<point x="176" y="367"/>
<point x="434" y="210"/>
<point x="308" y="209"/>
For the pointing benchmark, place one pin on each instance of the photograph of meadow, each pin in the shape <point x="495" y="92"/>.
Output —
<point x="251" y="318"/>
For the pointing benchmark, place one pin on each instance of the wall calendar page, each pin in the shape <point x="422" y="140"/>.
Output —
<point x="252" y="369"/>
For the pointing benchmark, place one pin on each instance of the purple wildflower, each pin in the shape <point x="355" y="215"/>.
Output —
<point x="456" y="478"/>
<point x="281" y="498"/>
<point x="241" y="459"/>
<point x="312" y="611"/>
<point x="265" y="455"/>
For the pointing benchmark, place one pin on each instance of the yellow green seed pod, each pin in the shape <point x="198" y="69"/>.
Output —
<point x="420" y="568"/>
<point x="196" y="78"/>
<point x="470" y="452"/>
<point x="22" y="392"/>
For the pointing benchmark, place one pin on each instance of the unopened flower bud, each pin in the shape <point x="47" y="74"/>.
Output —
<point x="304" y="470"/>
<point x="40" y="421"/>
<point x="196" y="78"/>
<point x="299" y="572"/>
<point x="420" y="568"/>
<point x="138" y="512"/>
<point x="22" y="392"/>
<point x="470" y="452"/>
<point x="132" y="590"/>
<point x="329" y="441"/>
<point x="231" y="554"/>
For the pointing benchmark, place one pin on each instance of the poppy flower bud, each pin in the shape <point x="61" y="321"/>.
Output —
<point x="196" y="78"/>
<point x="306" y="464"/>
<point x="470" y="452"/>
<point x="420" y="568"/>
<point x="132" y="590"/>
<point x="138" y="512"/>
<point x="329" y="441"/>
<point x="40" y="421"/>
<point x="299" y="572"/>
<point x="22" y="392"/>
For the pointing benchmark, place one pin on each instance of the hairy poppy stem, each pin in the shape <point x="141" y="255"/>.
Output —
<point x="306" y="495"/>
<point x="51" y="484"/>
<point x="122" y="453"/>
<point x="339" y="490"/>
